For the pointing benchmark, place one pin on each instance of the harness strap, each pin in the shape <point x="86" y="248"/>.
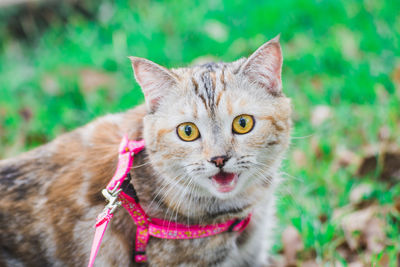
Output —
<point x="125" y="195"/>
<point x="98" y="236"/>
<point x="127" y="150"/>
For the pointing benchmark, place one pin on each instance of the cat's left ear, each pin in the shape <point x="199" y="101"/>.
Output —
<point x="154" y="80"/>
<point x="264" y="67"/>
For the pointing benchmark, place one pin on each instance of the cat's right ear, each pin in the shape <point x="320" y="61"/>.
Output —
<point x="154" y="80"/>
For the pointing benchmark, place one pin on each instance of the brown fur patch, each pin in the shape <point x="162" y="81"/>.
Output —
<point x="274" y="122"/>
<point x="229" y="106"/>
<point x="213" y="80"/>
<point x="219" y="97"/>
<point x="196" y="86"/>
<point x="204" y="102"/>
<point x="162" y="132"/>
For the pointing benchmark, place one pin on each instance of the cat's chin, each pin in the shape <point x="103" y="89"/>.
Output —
<point x="225" y="182"/>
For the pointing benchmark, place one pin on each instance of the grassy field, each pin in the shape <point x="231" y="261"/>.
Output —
<point x="341" y="69"/>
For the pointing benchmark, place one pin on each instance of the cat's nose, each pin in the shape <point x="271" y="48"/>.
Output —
<point x="219" y="161"/>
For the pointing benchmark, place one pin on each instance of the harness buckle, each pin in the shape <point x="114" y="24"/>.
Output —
<point x="112" y="198"/>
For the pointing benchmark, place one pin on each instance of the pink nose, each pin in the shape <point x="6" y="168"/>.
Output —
<point x="219" y="161"/>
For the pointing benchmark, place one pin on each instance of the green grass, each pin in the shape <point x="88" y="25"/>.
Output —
<point x="337" y="53"/>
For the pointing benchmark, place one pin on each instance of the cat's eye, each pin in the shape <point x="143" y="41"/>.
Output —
<point x="243" y="124"/>
<point x="187" y="131"/>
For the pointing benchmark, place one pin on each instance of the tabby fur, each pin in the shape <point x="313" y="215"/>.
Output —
<point x="50" y="196"/>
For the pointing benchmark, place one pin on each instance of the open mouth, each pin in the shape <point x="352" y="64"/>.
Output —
<point x="225" y="181"/>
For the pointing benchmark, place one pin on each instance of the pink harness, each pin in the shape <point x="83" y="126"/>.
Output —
<point x="119" y="191"/>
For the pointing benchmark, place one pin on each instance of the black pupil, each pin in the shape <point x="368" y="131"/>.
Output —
<point x="188" y="130"/>
<point x="242" y="122"/>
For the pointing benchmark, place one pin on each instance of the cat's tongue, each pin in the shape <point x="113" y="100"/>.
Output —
<point x="224" y="181"/>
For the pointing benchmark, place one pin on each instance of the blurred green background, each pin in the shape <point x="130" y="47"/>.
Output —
<point x="63" y="63"/>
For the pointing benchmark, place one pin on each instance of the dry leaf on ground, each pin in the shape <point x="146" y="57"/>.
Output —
<point x="397" y="204"/>
<point x="384" y="260"/>
<point x="315" y="147"/>
<point x="50" y="85"/>
<point x="277" y="261"/>
<point x="347" y="157"/>
<point x="320" y="114"/>
<point x="299" y="158"/>
<point x="354" y="224"/>
<point x="26" y="113"/>
<point x="387" y="162"/>
<point x="356" y="264"/>
<point x="359" y="192"/>
<point x="384" y="133"/>
<point x="292" y="244"/>
<point x="365" y="229"/>
<point x="93" y="79"/>
<point x="374" y="235"/>
<point x="396" y="75"/>
<point x="317" y="83"/>
<point x="310" y="263"/>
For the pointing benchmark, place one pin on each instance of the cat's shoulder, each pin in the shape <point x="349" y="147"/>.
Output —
<point x="86" y="147"/>
<point x="110" y="126"/>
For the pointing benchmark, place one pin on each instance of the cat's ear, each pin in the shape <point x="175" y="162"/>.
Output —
<point x="264" y="67"/>
<point x="154" y="80"/>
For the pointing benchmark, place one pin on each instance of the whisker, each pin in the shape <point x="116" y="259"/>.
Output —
<point x="191" y="200"/>
<point x="165" y="185"/>
<point x="291" y="176"/>
<point x="141" y="165"/>
<point x="302" y="137"/>
<point x="176" y="203"/>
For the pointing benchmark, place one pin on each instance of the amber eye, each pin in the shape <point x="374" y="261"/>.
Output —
<point x="188" y="131"/>
<point x="243" y="124"/>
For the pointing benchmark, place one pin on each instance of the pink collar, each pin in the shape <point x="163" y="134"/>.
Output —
<point x="120" y="191"/>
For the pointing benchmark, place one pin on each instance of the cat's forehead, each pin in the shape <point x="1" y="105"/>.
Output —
<point x="207" y="87"/>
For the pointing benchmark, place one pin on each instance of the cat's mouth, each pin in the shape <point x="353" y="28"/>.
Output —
<point x="225" y="181"/>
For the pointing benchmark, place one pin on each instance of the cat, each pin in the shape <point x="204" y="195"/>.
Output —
<point x="215" y="137"/>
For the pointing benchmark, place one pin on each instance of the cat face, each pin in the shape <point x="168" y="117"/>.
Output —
<point x="216" y="129"/>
